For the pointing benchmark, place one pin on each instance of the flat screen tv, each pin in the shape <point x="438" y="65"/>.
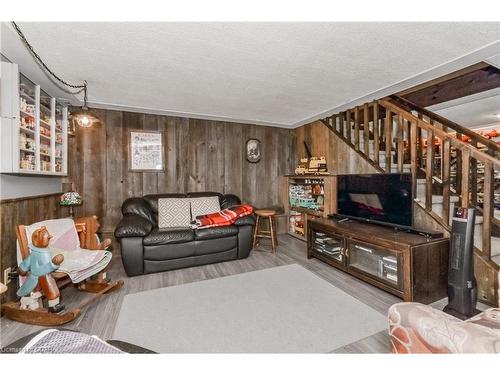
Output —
<point x="378" y="198"/>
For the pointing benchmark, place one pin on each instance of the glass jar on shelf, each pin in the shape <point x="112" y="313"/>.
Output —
<point x="58" y="166"/>
<point x="27" y="161"/>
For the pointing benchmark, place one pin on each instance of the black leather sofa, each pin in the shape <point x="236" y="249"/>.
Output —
<point x="145" y="248"/>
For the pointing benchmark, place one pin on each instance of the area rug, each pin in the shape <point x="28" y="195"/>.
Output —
<point x="285" y="309"/>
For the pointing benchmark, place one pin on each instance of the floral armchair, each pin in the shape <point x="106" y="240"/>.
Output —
<point x="418" y="328"/>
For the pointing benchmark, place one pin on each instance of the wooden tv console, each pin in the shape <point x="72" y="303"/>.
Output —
<point x="410" y="266"/>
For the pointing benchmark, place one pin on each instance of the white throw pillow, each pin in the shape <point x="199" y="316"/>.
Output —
<point x="174" y="212"/>
<point x="204" y="206"/>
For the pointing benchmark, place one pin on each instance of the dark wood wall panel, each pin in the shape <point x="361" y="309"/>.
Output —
<point x="23" y="211"/>
<point x="200" y="155"/>
<point x="340" y="157"/>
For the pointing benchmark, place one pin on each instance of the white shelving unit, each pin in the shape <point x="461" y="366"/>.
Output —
<point x="33" y="127"/>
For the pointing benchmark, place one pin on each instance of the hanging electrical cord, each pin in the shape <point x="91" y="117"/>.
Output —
<point x="83" y="117"/>
<point x="40" y="61"/>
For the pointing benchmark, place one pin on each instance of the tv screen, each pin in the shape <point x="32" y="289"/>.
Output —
<point x="381" y="198"/>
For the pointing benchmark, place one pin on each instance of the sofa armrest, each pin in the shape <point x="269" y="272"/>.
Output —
<point x="229" y="200"/>
<point x="245" y="220"/>
<point x="133" y="226"/>
<point x="418" y="328"/>
<point x="140" y="207"/>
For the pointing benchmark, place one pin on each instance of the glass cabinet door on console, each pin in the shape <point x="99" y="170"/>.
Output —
<point x="328" y="245"/>
<point x="380" y="263"/>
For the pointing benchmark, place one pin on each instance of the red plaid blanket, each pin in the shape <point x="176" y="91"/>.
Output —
<point x="224" y="217"/>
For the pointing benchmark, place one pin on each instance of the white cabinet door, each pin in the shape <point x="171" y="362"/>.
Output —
<point x="9" y="90"/>
<point x="9" y="111"/>
<point x="7" y="129"/>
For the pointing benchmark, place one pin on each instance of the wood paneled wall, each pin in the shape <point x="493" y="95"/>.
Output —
<point x="341" y="159"/>
<point x="201" y="155"/>
<point x="23" y="211"/>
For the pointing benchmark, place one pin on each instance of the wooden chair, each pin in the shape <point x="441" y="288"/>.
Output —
<point x="98" y="284"/>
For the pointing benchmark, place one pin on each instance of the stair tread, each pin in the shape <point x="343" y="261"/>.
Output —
<point x="438" y="199"/>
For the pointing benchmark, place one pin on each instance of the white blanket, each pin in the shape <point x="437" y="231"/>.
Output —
<point x="79" y="264"/>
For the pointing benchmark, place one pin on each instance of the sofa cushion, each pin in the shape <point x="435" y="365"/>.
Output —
<point x="164" y="236"/>
<point x="204" y="205"/>
<point x="200" y="194"/>
<point x="217" y="232"/>
<point x="216" y="245"/>
<point x="174" y="212"/>
<point x="170" y="251"/>
<point x="152" y="199"/>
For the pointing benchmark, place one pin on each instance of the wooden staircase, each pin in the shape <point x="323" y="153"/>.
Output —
<point x="459" y="168"/>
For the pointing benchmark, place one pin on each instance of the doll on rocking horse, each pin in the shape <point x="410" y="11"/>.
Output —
<point x="39" y="266"/>
<point x="61" y="252"/>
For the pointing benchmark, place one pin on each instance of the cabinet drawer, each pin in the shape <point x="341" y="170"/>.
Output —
<point x="382" y="264"/>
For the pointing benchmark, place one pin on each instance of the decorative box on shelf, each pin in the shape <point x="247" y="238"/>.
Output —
<point x="33" y="127"/>
<point x="307" y="196"/>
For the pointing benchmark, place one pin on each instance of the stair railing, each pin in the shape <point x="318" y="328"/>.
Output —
<point x="476" y="139"/>
<point x="391" y="138"/>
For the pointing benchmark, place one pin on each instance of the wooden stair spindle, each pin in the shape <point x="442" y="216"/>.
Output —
<point x="376" y="141"/>
<point x="388" y="140"/>
<point x="413" y="155"/>
<point x="487" y="208"/>
<point x="473" y="176"/>
<point x="348" y="118"/>
<point x="429" y="168"/>
<point x="342" y="124"/>
<point x="458" y="166"/>
<point x="400" y="144"/>
<point x="464" y="179"/>
<point x="356" y="128"/>
<point x="366" y="130"/>
<point x="446" y="148"/>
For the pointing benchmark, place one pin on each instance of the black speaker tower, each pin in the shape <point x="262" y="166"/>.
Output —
<point x="462" y="290"/>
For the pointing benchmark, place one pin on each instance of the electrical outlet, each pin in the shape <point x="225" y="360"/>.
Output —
<point x="6" y="278"/>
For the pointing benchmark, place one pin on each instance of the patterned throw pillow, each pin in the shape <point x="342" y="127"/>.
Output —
<point x="204" y="206"/>
<point x="174" y="212"/>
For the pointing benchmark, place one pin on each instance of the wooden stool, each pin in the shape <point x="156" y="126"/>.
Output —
<point x="271" y="233"/>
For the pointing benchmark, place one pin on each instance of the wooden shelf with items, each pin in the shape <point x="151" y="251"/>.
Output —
<point x="305" y="197"/>
<point x="34" y="127"/>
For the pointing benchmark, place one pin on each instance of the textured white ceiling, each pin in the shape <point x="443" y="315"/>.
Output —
<point x="269" y="73"/>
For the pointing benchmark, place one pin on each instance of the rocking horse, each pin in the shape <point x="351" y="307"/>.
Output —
<point x="69" y="236"/>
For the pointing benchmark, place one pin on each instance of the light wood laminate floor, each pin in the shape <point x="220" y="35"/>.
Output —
<point x="99" y="319"/>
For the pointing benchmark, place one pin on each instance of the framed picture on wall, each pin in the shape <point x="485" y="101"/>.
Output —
<point x="253" y="150"/>
<point x="146" y="152"/>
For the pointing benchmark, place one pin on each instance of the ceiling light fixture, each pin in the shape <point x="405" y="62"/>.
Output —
<point x="82" y="117"/>
<point x="497" y="115"/>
